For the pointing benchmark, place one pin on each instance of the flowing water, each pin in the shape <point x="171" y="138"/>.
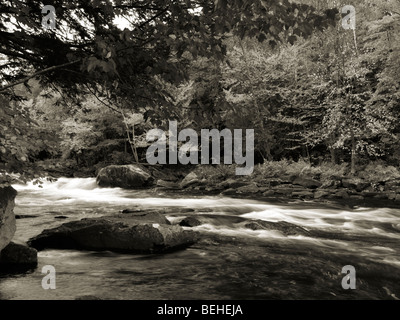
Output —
<point x="229" y="262"/>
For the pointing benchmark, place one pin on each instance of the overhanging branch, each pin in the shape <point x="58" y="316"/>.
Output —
<point x="38" y="73"/>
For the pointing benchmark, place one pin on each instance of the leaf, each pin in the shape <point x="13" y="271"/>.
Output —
<point x="261" y="37"/>
<point x="92" y="63"/>
<point x="292" y="39"/>
<point x="221" y="4"/>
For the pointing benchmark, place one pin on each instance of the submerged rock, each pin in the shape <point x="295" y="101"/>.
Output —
<point x="134" y="233"/>
<point x="125" y="176"/>
<point x="190" y="222"/>
<point x="284" y="227"/>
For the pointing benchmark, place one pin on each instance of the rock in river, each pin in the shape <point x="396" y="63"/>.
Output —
<point x="190" y="222"/>
<point x="125" y="176"/>
<point x="16" y="256"/>
<point x="132" y="233"/>
<point x="7" y="218"/>
<point x="284" y="227"/>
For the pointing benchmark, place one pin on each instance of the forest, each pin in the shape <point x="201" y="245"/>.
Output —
<point x="83" y="96"/>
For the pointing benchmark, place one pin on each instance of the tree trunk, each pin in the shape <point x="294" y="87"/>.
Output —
<point x="333" y="156"/>
<point x="134" y="145"/>
<point x="353" y="154"/>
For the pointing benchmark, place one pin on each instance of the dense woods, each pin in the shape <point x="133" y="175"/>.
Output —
<point x="84" y="95"/>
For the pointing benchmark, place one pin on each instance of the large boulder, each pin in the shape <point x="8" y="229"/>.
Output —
<point x="133" y="232"/>
<point x="125" y="176"/>
<point x="16" y="256"/>
<point x="7" y="217"/>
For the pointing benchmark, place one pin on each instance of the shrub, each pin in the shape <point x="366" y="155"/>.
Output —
<point x="215" y="173"/>
<point x="329" y="170"/>
<point x="121" y="158"/>
<point x="301" y="168"/>
<point x="274" y="169"/>
<point x="271" y="169"/>
<point x="378" y="171"/>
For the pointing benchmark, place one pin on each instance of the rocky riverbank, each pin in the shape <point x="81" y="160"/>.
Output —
<point x="336" y="189"/>
<point x="339" y="190"/>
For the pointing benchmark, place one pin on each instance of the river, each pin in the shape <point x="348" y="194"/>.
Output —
<point x="229" y="262"/>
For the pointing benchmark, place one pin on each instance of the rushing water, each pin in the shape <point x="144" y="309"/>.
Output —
<point x="229" y="262"/>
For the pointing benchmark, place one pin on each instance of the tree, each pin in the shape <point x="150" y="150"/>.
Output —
<point x="97" y="51"/>
<point x="21" y="140"/>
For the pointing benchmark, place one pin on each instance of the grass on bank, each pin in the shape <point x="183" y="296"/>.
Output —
<point x="370" y="173"/>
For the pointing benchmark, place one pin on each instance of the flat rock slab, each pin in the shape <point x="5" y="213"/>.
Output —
<point x="135" y="217"/>
<point x="130" y="233"/>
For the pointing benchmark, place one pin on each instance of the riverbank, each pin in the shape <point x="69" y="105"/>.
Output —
<point x="375" y="185"/>
<point x="287" y="192"/>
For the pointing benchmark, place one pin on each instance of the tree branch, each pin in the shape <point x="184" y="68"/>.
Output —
<point x="18" y="55"/>
<point x="38" y="73"/>
<point x="101" y="101"/>
<point x="152" y="18"/>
